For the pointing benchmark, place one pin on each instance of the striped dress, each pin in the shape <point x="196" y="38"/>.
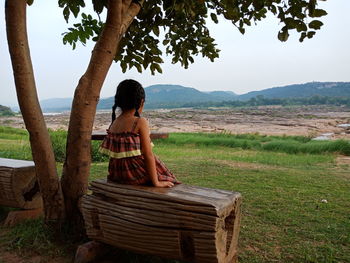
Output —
<point x="126" y="163"/>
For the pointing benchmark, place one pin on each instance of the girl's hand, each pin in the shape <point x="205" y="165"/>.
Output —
<point x="164" y="184"/>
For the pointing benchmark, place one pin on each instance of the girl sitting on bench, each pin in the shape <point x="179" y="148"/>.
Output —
<point x="128" y="142"/>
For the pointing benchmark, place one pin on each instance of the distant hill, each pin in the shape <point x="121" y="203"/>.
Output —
<point x="169" y="96"/>
<point x="56" y="104"/>
<point x="6" y="111"/>
<point x="329" y="89"/>
<point x="172" y="96"/>
<point x="223" y="95"/>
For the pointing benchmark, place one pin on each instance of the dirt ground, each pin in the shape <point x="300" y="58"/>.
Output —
<point x="311" y="121"/>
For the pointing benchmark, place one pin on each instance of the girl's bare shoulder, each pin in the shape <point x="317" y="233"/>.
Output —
<point x="142" y="125"/>
<point x="143" y="121"/>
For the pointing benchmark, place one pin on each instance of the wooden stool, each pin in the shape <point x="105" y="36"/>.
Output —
<point x="185" y="222"/>
<point x="19" y="189"/>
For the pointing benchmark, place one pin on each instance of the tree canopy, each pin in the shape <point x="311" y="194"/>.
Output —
<point x="185" y="29"/>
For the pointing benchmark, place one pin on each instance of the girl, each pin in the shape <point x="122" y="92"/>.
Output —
<point x="128" y="142"/>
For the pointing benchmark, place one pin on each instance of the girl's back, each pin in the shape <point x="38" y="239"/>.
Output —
<point x="124" y="124"/>
<point x="128" y="143"/>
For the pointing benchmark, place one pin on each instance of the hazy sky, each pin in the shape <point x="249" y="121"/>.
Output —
<point x="254" y="61"/>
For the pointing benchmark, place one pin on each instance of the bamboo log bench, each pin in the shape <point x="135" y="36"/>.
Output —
<point x="99" y="136"/>
<point x="189" y="223"/>
<point x="18" y="184"/>
<point x="19" y="189"/>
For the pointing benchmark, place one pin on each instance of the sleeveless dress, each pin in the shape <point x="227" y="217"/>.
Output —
<point x="126" y="162"/>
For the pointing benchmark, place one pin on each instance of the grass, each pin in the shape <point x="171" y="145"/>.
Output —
<point x="14" y="143"/>
<point x="33" y="241"/>
<point x="31" y="234"/>
<point x="283" y="219"/>
<point x="287" y="144"/>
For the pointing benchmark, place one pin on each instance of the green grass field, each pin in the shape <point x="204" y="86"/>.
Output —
<point x="284" y="218"/>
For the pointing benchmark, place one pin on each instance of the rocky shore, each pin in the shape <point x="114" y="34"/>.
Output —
<point x="313" y="121"/>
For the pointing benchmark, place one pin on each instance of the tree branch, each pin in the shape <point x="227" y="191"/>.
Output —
<point x="126" y="5"/>
<point x="129" y="16"/>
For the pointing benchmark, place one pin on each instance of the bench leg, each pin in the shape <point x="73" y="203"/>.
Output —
<point x="91" y="251"/>
<point x="16" y="217"/>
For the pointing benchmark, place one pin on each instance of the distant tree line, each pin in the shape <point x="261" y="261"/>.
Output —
<point x="6" y="111"/>
<point x="262" y="101"/>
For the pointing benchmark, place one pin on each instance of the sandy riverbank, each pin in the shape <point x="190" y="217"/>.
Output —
<point x="297" y="120"/>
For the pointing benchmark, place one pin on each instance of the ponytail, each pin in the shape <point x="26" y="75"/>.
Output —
<point x="113" y="112"/>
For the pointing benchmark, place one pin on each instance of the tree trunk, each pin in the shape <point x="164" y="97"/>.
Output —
<point x="78" y="158"/>
<point x="40" y="142"/>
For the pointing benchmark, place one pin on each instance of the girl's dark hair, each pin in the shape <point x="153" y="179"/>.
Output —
<point x="129" y="95"/>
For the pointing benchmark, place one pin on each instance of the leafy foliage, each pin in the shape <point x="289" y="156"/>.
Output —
<point x="88" y="28"/>
<point x="58" y="139"/>
<point x="180" y="26"/>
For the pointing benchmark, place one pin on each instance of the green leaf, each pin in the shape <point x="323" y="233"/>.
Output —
<point x="81" y="3"/>
<point x="232" y="14"/>
<point x="138" y="67"/>
<point x="66" y="13"/>
<point x="146" y="61"/>
<point x="152" y="68"/>
<point x="302" y="37"/>
<point x="89" y="31"/>
<point x="214" y="18"/>
<point x="158" y="59"/>
<point x="158" y="68"/>
<point x="301" y="26"/>
<point x="258" y="4"/>
<point x="315" y="24"/>
<point x="75" y="10"/>
<point x="318" y="13"/>
<point x="124" y="66"/>
<point x="98" y="6"/>
<point x="61" y="3"/>
<point x="273" y="9"/>
<point x="242" y="30"/>
<point x="310" y="34"/>
<point x="155" y="30"/>
<point x="290" y="23"/>
<point x="247" y="21"/>
<point x="312" y="6"/>
<point x="30" y="2"/>
<point x="283" y="35"/>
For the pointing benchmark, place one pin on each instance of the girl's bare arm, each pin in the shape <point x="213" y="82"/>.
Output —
<point x="147" y="152"/>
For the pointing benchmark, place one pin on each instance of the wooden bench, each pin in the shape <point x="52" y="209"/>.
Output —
<point x="188" y="223"/>
<point x="99" y="136"/>
<point x="19" y="189"/>
<point x="18" y="184"/>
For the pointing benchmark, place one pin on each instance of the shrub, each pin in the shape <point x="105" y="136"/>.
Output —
<point x="59" y="138"/>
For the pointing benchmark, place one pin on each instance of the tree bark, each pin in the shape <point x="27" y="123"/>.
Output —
<point x="76" y="168"/>
<point x="40" y="142"/>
